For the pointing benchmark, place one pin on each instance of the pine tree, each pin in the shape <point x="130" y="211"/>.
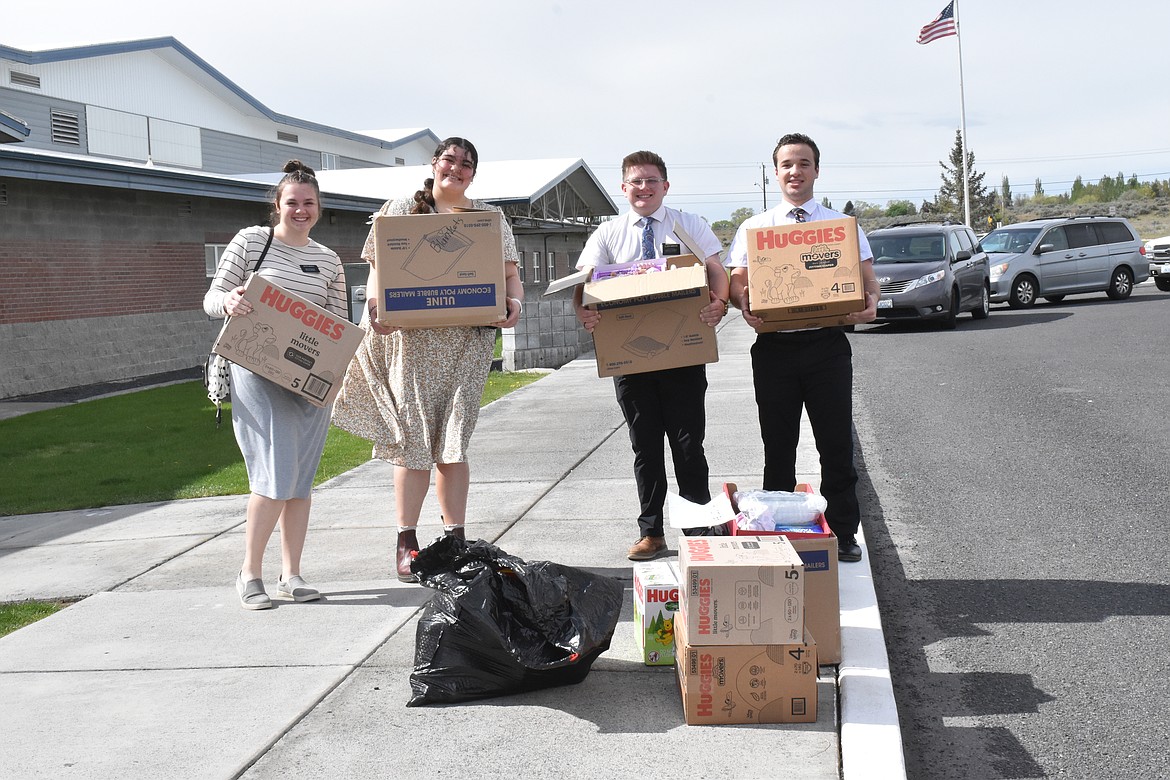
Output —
<point x="950" y="195"/>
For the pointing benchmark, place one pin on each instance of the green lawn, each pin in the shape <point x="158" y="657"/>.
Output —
<point x="151" y="445"/>
<point x="19" y="614"/>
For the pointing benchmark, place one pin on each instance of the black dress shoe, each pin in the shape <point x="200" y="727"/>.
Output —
<point x="848" y="550"/>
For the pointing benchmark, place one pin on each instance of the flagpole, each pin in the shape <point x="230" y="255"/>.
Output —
<point x="963" y="121"/>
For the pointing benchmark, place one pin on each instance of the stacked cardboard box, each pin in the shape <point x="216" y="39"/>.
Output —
<point x="742" y="652"/>
<point x="822" y="597"/>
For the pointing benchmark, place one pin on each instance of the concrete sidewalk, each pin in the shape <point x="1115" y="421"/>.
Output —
<point x="160" y="673"/>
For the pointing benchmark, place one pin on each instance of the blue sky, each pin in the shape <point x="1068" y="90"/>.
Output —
<point x="1052" y="89"/>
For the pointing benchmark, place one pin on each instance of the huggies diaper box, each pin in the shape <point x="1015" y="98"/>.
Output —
<point x="804" y="275"/>
<point x="724" y="684"/>
<point x="438" y="270"/>
<point x="289" y="341"/>
<point x="740" y="590"/>
<point x="656" y="601"/>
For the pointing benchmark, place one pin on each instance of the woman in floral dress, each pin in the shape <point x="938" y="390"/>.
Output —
<point x="415" y="392"/>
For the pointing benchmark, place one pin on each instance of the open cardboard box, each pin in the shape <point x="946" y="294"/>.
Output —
<point x="290" y="341"/>
<point x="822" y="595"/>
<point x="438" y="270"/>
<point x="649" y="322"/>
<point x="804" y="275"/>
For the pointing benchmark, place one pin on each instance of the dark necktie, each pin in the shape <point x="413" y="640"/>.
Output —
<point x="798" y="214"/>
<point x="648" y="238"/>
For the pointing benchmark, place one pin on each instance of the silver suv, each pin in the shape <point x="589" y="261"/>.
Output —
<point x="930" y="271"/>
<point x="1052" y="258"/>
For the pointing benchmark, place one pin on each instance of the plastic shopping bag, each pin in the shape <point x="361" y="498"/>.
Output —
<point x="499" y="625"/>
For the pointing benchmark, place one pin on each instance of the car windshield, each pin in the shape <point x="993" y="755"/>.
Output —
<point x="907" y="249"/>
<point x="1014" y="241"/>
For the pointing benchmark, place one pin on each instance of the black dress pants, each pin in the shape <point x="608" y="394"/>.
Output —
<point x="811" y="370"/>
<point x="666" y="403"/>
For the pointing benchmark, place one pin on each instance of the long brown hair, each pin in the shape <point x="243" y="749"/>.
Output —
<point x="424" y="199"/>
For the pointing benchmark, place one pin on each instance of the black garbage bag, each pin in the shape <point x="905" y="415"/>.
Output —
<point x="500" y="625"/>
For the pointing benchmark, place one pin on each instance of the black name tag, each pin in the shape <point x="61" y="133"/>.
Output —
<point x="671" y="250"/>
<point x="310" y="269"/>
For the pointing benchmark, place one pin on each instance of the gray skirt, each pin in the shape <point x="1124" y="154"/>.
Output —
<point x="280" y="435"/>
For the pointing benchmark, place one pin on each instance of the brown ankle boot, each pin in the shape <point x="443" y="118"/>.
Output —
<point x="407" y="547"/>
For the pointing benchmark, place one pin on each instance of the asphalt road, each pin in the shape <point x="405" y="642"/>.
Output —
<point x="1016" y="473"/>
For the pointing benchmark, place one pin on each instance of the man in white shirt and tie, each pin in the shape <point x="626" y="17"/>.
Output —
<point x="670" y="402"/>
<point x="806" y="369"/>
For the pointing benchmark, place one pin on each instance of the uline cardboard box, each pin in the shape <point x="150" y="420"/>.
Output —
<point x="822" y="595"/>
<point x="655" y="608"/>
<point x="741" y="590"/>
<point x="437" y="270"/>
<point x="649" y="322"/>
<point x="289" y="341"/>
<point x="726" y="684"/>
<point x="804" y="275"/>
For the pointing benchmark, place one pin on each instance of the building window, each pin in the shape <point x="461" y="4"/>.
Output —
<point x="552" y="266"/>
<point x="536" y="266"/>
<point x="65" y="128"/>
<point x="520" y="265"/>
<point x="211" y="255"/>
<point x="330" y="161"/>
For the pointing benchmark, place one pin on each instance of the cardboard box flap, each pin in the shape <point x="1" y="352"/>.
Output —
<point x="567" y="282"/>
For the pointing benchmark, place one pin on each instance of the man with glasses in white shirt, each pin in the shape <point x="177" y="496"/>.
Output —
<point x="806" y="369"/>
<point x="670" y="402"/>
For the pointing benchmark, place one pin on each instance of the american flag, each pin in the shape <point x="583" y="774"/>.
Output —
<point x="940" y="27"/>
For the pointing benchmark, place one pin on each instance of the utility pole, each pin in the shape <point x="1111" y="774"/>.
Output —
<point x="764" y="183"/>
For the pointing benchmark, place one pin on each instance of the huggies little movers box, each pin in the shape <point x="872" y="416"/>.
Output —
<point x="655" y="609"/>
<point x="290" y="341"/>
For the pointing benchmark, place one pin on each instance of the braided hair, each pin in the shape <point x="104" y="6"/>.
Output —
<point x="424" y="199"/>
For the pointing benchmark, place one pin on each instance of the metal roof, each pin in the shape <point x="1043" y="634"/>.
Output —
<point x="12" y="129"/>
<point x="555" y="190"/>
<point x="499" y="182"/>
<point x="202" y="72"/>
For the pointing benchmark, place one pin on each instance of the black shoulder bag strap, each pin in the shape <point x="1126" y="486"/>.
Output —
<point x="264" y="254"/>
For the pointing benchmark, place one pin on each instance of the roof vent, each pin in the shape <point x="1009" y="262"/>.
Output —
<point x="290" y="137"/>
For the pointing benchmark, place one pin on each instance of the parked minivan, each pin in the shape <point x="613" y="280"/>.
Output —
<point x="1052" y="258"/>
<point x="930" y="271"/>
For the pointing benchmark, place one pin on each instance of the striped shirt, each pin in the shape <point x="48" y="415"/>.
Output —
<point x="314" y="272"/>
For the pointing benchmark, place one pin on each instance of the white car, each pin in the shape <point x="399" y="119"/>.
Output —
<point x="1158" y="253"/>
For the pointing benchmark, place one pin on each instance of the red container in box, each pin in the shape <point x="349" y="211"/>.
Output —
<point x="822" y="595"/>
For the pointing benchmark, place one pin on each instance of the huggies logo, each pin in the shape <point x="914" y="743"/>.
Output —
<point x="273" y="298"/>
<point x="778" y="239"/>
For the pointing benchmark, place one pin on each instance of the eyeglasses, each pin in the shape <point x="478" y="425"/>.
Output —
<point x="645" y="182"/>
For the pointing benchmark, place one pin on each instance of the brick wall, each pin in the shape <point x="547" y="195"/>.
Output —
<point x="102" y="285"/>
